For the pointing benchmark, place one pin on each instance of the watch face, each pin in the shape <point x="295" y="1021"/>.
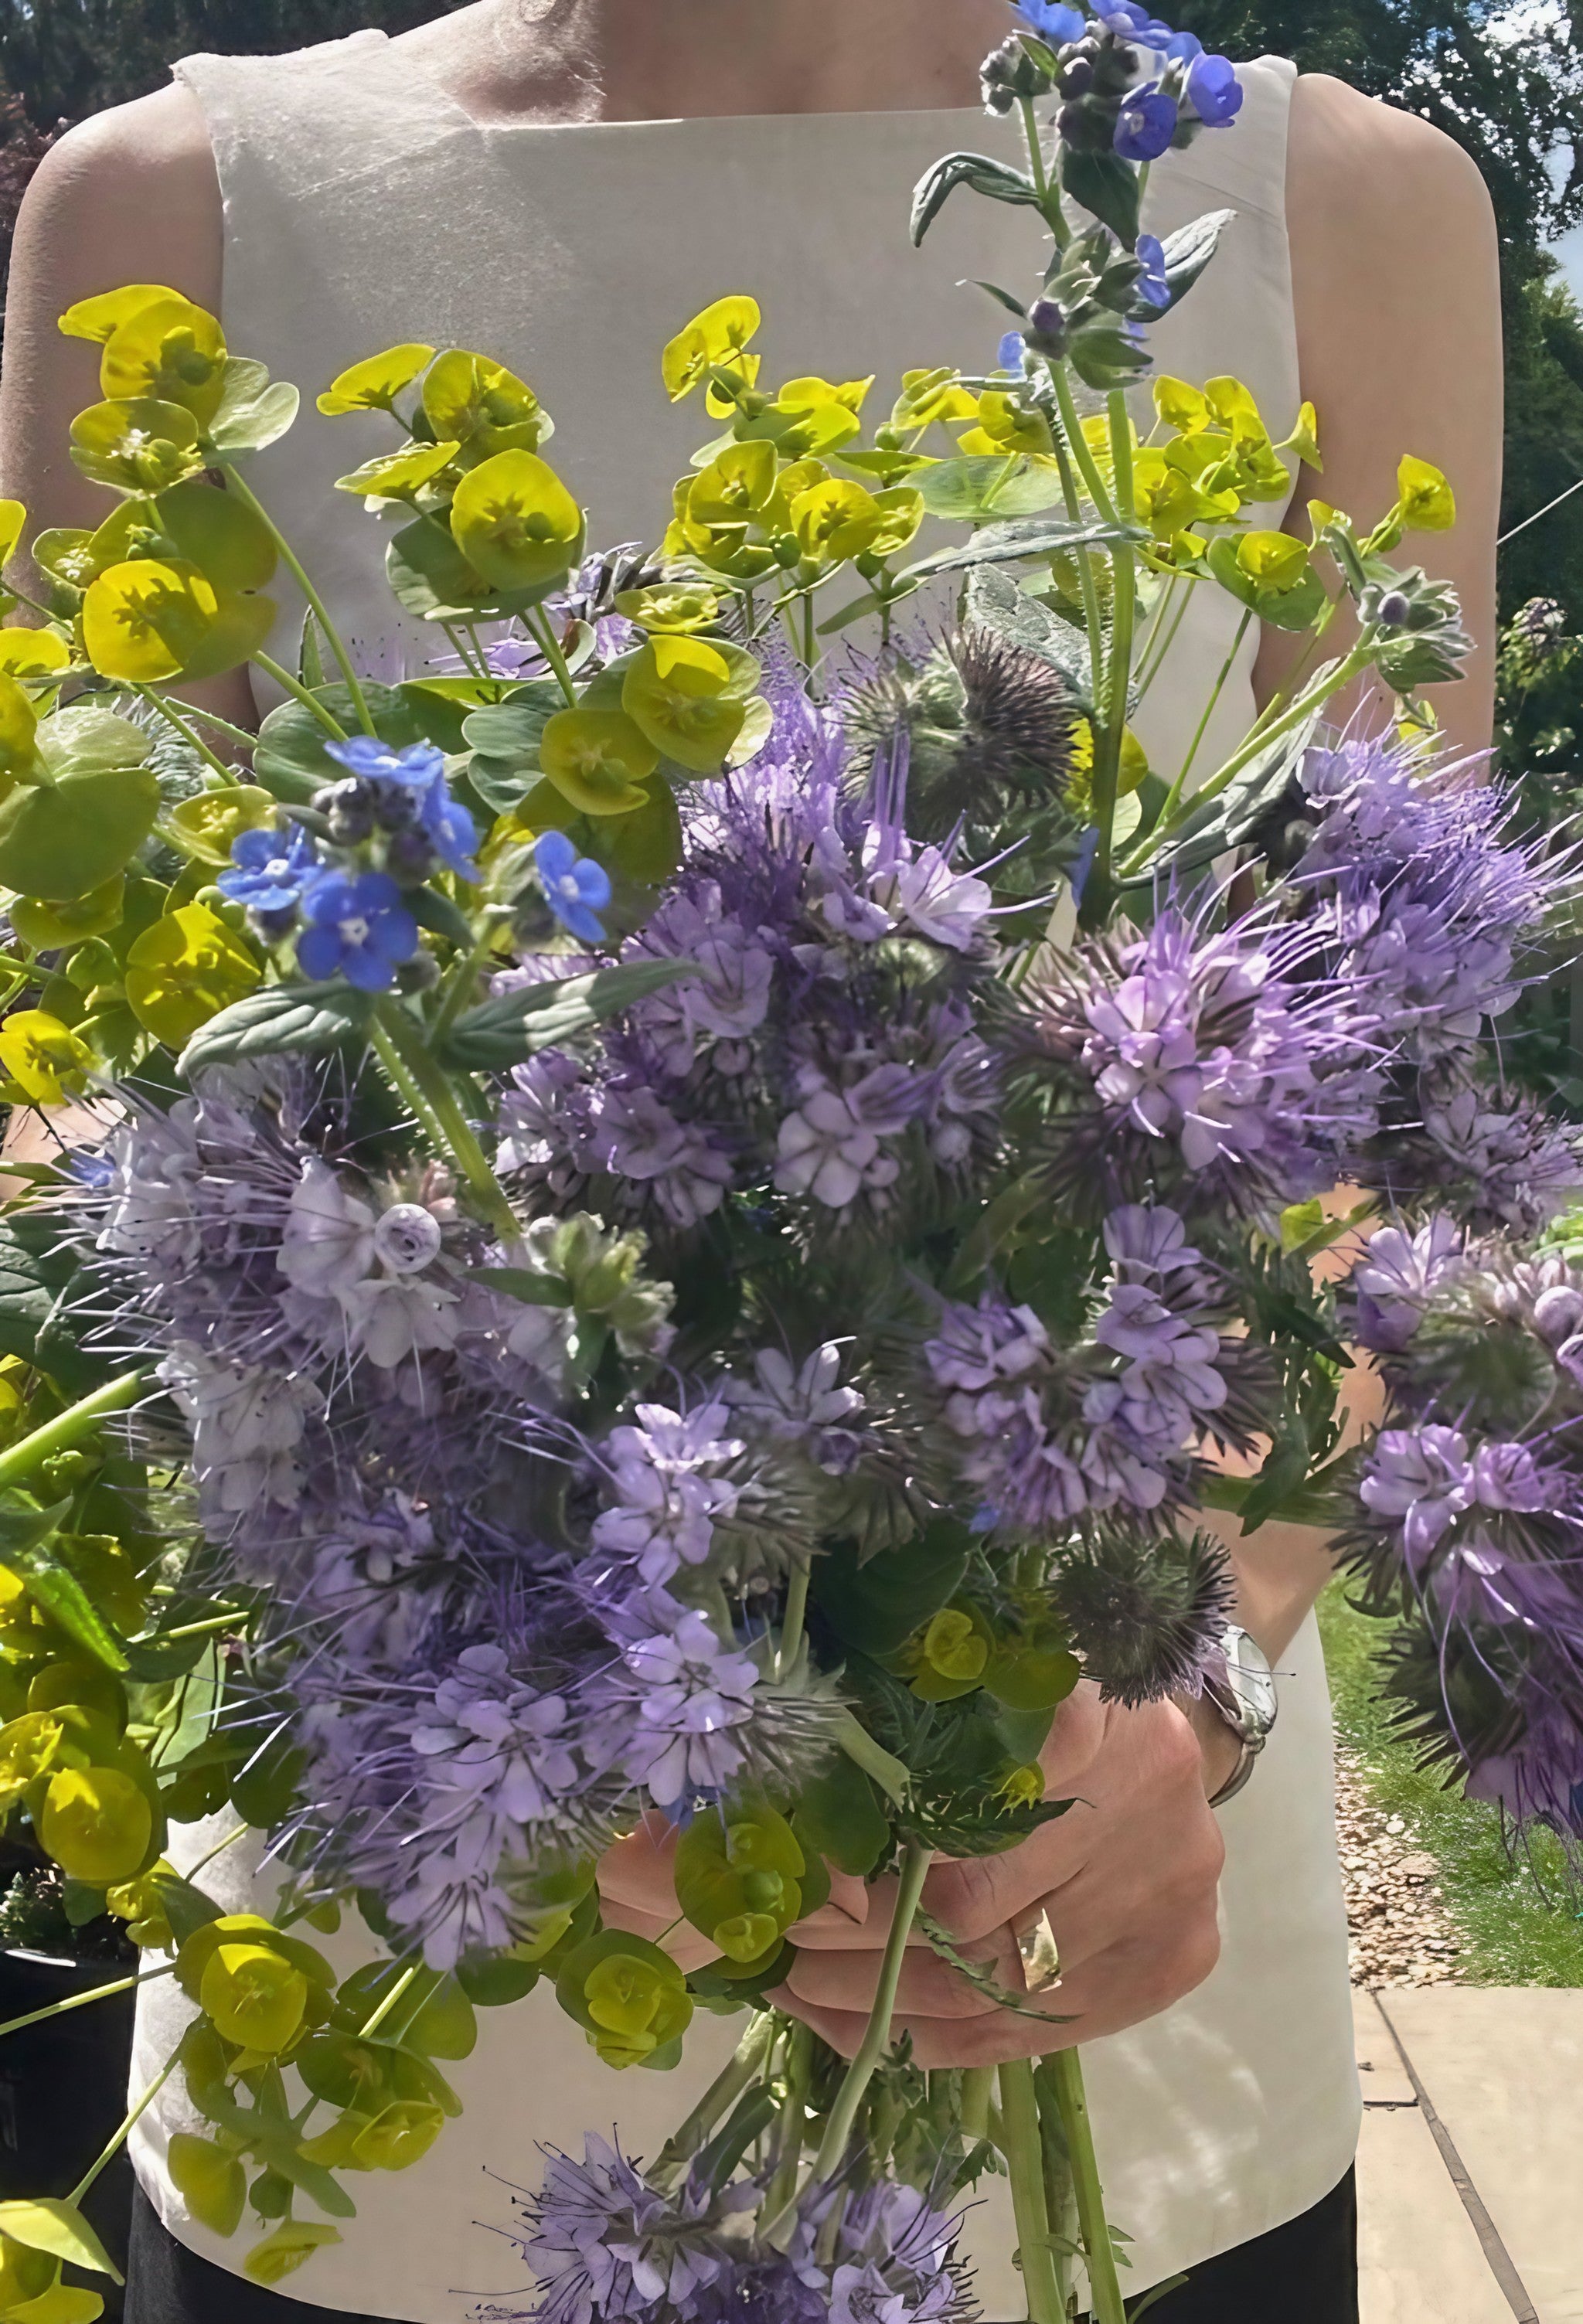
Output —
<point x="1248" y="1679"/>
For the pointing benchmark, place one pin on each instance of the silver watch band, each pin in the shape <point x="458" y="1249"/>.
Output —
<point x="1243" y="1691"/>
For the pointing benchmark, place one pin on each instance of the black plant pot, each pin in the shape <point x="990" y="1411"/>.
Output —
<point x="63" y="2093"/>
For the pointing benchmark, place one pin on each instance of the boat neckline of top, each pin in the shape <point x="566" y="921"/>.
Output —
<point x="675" y="120"/>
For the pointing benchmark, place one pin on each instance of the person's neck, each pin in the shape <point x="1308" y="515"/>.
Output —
<point x="667" y="59"/>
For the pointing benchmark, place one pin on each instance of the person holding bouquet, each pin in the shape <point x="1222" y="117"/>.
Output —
<point x="563" y="184"/>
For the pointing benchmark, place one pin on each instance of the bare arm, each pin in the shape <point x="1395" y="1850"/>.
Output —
<point x="1396" y="282"/>
<point x="130" y="196"/>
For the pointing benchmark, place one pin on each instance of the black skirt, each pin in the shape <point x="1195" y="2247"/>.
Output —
<point x="1305" y="2273"/>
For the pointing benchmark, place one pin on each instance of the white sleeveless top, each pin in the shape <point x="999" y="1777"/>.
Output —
<point x="362" y="208"/>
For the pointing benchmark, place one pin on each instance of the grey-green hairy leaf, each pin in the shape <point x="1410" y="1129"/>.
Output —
<point x="997" y="179"/>
<point x="280" y="1020"/>
<point x="512" y="1026"/>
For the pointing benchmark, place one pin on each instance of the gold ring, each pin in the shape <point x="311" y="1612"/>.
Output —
<point x="1040" y="1954"/>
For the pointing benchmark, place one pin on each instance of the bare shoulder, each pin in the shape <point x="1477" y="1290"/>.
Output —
<point x="1355" y="165"/>
<point x="129" y="195"/>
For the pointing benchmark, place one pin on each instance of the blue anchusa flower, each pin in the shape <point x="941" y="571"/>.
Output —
<point x="272" y="867"/>
<point x="1146" y="123"/>
<point x="1009" y="355"/>
<point x="358" y="928"/>
<point x="1152" y="286"/>
<point x="1135" y="23"/>
<point x="1053" y="21"/>
<point x="576" y="889"/>
<point x="417" y="765"/>
<point x="1214" y="92"/>
<point x="418" y="772"/>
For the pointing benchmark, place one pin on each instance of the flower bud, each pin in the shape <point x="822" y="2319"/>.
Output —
<point x="1077" y="76"/>
<point x="1393" y="609"/>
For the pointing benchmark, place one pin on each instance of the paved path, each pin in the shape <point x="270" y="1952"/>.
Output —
<point x="1471" y="2173"/>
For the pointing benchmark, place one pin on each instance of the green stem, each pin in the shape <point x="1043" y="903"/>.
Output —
<point x="1098" y="2252"/>
<point x="1051" y="211"/>
<point x="120" y="2136"/>
<point x="81" y="2000"/>
<point x="299" y="693"/>
<point x="1087" y="467"/>
<point x="1024" y="2154"/>
<point x="371" y="2025"/>
<point x="1093" y="619"/>
<point x="1216" y="691"/>
<point x="791" y="2122"/>
<point x="423" y="1082"/>
<point x="876" y="2034"/>
<point x="193" y="742"/>
<point x="744" y="2067"/>
<point x="1314" y="698"/>
<point x="474" y="668"/>
<point x="977" y="2092"/>
<point x="288" y="558"/>
<point x="463" y="974"/>
<point x="242" y="735"/>
<point x="809" y="642"/>
<point x="791" y="1621"/>
<point x="68" y="1428"/>
<point x="542" y="629"/>
<point x="1108" y="747"/>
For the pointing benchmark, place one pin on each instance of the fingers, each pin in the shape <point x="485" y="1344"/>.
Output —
<point x="639" y="1870"/>
<point x="929" y="1987"/>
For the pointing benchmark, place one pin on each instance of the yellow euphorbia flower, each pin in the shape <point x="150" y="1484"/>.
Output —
<point x="53" y="928"/>
<point x="516" y="522"/>
<point x="145" y="621"/>
<point x="717" y="336"/>
<point x="901" y="513"/>
<point x="1428" y="501"/>
<point x="12" y="518"/>
<point x="374" y="385"/>
<point x="169" y="349"/>
<point x="19" y="726"/>
<point x="43" y="1056"/>
<point x="1272" y="560"/>
<point x="253" y="1996"/>
<point x="96" y="1824"/>
<point x="143" y="444"/>
<point x="396" y="475"/>
<point x="206" y="825"/>
<point x="1304" y="438"/>
<point x="835" y="520"/>
<point x="184" y="970"/>
<point x="34" y="653"/>
<point x="596" y="760"/>
<point x="682" y="693"/>
<point x="97" y="318"/>
<point x="1004" y="426"/>
<point x="1181" y="408"/>
<point x="671" y="606"/>
<point x="470" y="400"/>
<point x="930" y="395"/>
<point x="733" y="487"/>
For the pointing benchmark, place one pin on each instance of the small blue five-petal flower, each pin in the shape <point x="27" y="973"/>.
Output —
<point x="1214" y="91"/>
<point x="272" y="869"/>
<point x="358" y="928"/>
<point x="1053" y="21"/>
<point x="576" y="889"/>
<point x="419" y="767"/>
<point x="1152" y="287"/>
<point x="1146" y="123"/>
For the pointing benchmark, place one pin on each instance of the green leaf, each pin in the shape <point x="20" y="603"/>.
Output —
<point x="878" y="1606"/>
<point x="503" y="1031"/>
<point x="839" y="1814"/>
<point x="290" y="758"/>
<point x="494" y="1984"/>
<point x="995" y="602"/>
<point x="504" y="742"/>
<point x="997" y="179"/>
<point x="253" y="411"/>
<point x="978" y="1974"/>
<point x="1013" y="306"/>
<point x="25" y="1533"/>
<point x="433" y="910"/>
<point x="1295" y="609"/>
<point x="1106" y="186"/>
<point x="521" y="1283"/>
<point x="1299" y="1220"/>
<point x="1227" y="820"/>
<point x="27" y="1293"/>
<point x="1004" y="544"/>
<point x="186" y="1908"/>
<point x="984" y="488"/>
<point x="441" y="705"/>
<point x="1188" y="251"/>
<point x="48" y="2223"/>
<point x="279" y="1020"/>
<point x="59" y="840"/>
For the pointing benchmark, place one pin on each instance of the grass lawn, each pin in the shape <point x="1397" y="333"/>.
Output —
<point x="1510" y="1935"/>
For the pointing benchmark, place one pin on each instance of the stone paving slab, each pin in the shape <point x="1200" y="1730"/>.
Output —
<point x="1380" y="2071"/>
<point x="1418" y="2258"/>
<point x="1503" y="2068"/>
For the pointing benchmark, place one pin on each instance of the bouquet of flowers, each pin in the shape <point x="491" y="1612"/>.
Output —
<point x="674" y="1219"/>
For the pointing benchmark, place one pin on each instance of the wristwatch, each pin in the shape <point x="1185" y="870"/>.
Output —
<point x="1241" y="1687"/>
